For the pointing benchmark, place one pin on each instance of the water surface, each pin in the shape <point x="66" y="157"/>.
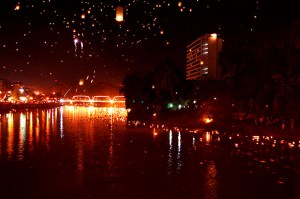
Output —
<point x="86" y="152"/>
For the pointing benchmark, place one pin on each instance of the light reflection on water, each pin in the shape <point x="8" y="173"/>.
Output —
<point x="10" y="137"/>
<point x="26" y="129"/>
<point x="90" y="148"/>
<point x="61" y="122"/>
<point x="22" y="136"/>
<point x="211" y="180"/>
<point x="179" y="163"/>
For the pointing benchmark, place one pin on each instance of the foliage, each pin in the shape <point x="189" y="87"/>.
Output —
<point x="264" y="66"/>
<point x="154" y="90"/>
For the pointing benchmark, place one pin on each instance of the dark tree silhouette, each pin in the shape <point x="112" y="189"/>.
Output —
<point x="168" y="80"/>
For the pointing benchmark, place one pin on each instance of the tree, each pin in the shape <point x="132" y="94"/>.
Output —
<point x="168" y="81"/>
<point x="264" y="66"/>
<point x="132" y="88"/>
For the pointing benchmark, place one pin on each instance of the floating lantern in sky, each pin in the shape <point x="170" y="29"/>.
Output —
<point x="17" y="7"/>
<point x="119" y="14"/>
<point x="81" y="82"/>
<point x="77" y="42"/>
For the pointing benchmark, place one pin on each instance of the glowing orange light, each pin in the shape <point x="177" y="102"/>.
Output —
<point x="155" y="132"/>
<point x="81" y="82"/>
<point x="208" y="137"/>
<point x="119" y="14"/>
<point x="83" y="16"/>
<point x="23" y="99"/>
<point x="17" y="7"/>
<point x="201" y="62"/>
<point x="214" y="35"/>
<point x="207" y="120"/>
<point x="179" y="4"/>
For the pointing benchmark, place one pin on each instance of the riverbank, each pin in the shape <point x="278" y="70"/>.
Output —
<point x="7" y="107"/>
<point x="267" y="130"/>
<point x="194" y="121"/>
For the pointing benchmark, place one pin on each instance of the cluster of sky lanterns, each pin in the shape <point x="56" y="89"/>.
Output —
<point x="119" y="11"/>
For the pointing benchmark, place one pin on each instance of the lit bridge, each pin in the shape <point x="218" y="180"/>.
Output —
<point x="96" y="101"/>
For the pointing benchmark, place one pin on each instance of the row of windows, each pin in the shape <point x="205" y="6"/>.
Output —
<point x="191" y="56"/>
<point x="198" y="47"/>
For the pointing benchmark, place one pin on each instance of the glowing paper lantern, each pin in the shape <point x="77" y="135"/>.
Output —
<point x="81" y="82"/>
<point x="17" y="7"/>
<point x="119" y="14"/>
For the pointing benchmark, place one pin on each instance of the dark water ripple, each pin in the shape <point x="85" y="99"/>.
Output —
<point x="77" y="152"/>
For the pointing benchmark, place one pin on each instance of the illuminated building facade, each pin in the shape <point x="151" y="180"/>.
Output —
<point x="202" y="58"/>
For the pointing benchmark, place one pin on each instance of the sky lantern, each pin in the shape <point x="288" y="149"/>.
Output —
<point x="119" y="14"/>
<point x="17" y="7"/>
<point x="81" y="82"/>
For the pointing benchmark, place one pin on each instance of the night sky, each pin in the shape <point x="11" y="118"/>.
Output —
<point x="44" y="42"/>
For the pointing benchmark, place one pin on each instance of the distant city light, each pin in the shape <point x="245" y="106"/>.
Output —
<point x="21" y="90"/>
<point x="23" y="99"/>
<point x="170" y="105"/>
<point x="214" y="35"/>
<point x="207" y="120"/>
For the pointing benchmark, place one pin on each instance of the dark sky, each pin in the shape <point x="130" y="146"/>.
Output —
<point x="38" y="46"/>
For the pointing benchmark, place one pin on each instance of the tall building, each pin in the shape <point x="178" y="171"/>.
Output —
<point x="202" y="58"/>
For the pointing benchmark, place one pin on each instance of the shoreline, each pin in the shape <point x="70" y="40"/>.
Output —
<point x="16" y="107"/>
<point x="193" y="124"/>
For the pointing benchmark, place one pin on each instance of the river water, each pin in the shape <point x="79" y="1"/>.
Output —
<point x="85" y="152"/>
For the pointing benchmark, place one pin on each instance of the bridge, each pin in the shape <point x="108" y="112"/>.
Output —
<point x="97" y="101"/>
